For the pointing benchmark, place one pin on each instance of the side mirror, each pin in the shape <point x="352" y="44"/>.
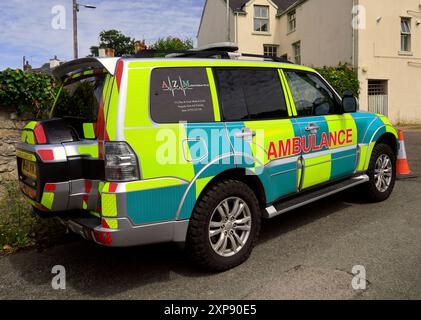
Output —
<point x="349" y="103"/>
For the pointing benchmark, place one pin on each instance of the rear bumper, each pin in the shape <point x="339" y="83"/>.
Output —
<point x="127" y="234"/>
<point x="70" y="180"/>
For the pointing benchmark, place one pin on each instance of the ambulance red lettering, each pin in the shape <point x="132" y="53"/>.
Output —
<point x="272" y="151"/>
<point x="284" y="150"/>
<point x="349" y="136"/>
<point x="313" y="137"/>
<point x="296" y="146"/>
<point x="341" y="141"/>
<point x="333" y="137"/>
<point x="325" y="141"/>
<point x="308" y="143"/>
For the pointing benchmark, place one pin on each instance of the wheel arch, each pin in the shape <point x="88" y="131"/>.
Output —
<point x="389" y="139"/>
<point x="243" y="175"/>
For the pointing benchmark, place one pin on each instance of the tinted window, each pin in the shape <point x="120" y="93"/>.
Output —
<point x="311" y="95"/>
<point x="181" y="94"/>
<point x="250" y="94"/>
<point x="81" y="98"/>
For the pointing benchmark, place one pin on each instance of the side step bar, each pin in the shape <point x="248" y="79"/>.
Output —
<point x="291" y="204"/>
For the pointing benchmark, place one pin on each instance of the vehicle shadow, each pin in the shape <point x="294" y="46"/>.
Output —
<point x="100" y="272"/>
<point x="302" y="216"/>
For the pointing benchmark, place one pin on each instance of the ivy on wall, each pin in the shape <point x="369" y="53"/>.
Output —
<point x="33" y="94"/>
<point x="342" y="78"/>
<point x="27" y="93"/>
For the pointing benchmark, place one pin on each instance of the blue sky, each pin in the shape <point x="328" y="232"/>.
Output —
<point x="26" y="26"/>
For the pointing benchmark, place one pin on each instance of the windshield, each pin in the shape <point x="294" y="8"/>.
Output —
<point x="81" y="97"/>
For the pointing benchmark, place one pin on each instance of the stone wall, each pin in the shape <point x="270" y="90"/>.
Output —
<point x="10" y="134"/>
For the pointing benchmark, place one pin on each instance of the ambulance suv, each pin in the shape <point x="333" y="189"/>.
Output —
<point x="198" y="149"/>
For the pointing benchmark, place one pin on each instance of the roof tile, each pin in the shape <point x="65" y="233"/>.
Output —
<point x="282" y="4"/>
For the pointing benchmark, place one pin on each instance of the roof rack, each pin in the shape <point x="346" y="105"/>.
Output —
<point x="182" y="54"/>
<point x="204" y="54"/>
<point x="223" y="50"/>
<point x="273" y="58"/>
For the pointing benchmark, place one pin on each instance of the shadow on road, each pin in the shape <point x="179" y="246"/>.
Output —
<point x="99" y="272"/>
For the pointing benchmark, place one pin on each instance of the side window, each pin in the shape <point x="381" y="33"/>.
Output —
<point x="311" y="95"/>
<point x="250" y="94"/>
<point x="180" y="94"/>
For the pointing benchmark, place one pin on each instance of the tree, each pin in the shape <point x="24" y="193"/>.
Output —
<point x="171" y="43"/>
<point x="114" y="39"/>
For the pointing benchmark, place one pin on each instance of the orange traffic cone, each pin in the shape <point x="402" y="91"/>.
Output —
<point x="402" y="166"/>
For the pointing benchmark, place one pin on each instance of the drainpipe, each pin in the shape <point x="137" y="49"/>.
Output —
<point x="236" y="27"/>
<point x="353" y="37"/>
<point x="228" y="21"/>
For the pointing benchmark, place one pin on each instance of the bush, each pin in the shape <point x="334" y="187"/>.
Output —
<point x="342" y="78"/>
<point x="19" y="226"/>
<point x="27" y="93"/>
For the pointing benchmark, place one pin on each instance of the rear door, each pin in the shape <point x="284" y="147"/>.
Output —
<point x="328" y="137"/>
<point x="259" y="126"/>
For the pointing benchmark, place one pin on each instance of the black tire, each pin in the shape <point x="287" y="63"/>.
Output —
<point x="198" y="243"/>
<point x="371" y="192"/>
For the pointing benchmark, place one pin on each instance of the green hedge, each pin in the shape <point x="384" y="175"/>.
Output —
<point x="27" y="93"/>
<point x="34" y="93"/>
<point x="342" y="78"/>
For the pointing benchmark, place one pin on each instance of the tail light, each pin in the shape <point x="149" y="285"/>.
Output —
<point x="120" y="162"/>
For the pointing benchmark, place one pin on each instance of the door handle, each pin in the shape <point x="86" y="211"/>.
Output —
<point x="245" y="133"/>
<point x="312" y="127"/>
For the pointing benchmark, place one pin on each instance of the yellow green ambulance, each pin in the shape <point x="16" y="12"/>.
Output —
<point x="198" y="150"/>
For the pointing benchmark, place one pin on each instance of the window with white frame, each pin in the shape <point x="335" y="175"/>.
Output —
<point x="296" y="50"/>
<point x="270" y="50"/>
<point x="261" y="18"/>
<point x="292" y="21"/>
<point x="406" y="34"/>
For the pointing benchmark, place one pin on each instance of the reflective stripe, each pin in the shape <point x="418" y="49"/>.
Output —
<point x="279" y="162"/>
<point x="402" y="151"/>
<point x="153" y="184"/>
<point x="25" y="155"/>
<point x="326" y="152"/>
<point x="286" y="93"/>
<point x="109" y="205"/>
<point x="47" y="200"/>
<point x="290" y="97"/>
<point x="112" y="223"/>
<point x="88" y="131"/>
<point x="317" y="154"/>
<point x="214" y="94"/>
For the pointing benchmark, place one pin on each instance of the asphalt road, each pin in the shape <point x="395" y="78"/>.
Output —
<point x="305" y="254"/>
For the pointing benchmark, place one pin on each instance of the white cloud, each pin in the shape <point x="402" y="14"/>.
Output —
<point x="25" y="26"/>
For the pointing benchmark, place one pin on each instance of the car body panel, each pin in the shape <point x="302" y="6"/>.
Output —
<point x="283" y="154"/>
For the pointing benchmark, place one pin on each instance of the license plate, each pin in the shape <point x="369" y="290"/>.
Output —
<point x="30" y="192"/>
<point x="29" y="169"/>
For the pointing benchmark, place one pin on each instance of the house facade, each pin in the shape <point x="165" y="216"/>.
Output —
<point x="381" y="39"/>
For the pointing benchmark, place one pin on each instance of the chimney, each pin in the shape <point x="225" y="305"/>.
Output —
<point x="54" y="62"/>
<point x="27" y="66"/>
<point x="140" y="46"/>
<point x="109" y="52"/>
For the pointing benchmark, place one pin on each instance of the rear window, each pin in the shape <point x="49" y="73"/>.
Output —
<point x="180" y="95"/>
<point x="81" y="98"/>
